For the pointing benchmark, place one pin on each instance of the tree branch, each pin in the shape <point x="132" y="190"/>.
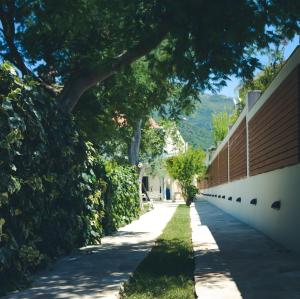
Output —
<point x="7" y="20"/>
<point x="80" y="81"/>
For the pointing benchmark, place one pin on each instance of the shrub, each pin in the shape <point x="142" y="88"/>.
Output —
<point x="184" y="167"/>
<point x="50" y="196"/>
<point x="52" y="183"/>
<point x="191" y="192"/>
<point x="122" y="196"/>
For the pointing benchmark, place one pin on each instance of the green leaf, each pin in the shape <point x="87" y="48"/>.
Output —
<point x="14" y="185"/>
<point x="3" y="198"/>
<point x="85" y="177"/>
<point x="16" y="122"/>
<point x="7" y="105"/>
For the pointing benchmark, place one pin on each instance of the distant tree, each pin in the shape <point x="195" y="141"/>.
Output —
<point x="184" y="167"/>
<point x="72" y="46"/>
<point x="221" y="122"/>
<point x="264" y="78"/>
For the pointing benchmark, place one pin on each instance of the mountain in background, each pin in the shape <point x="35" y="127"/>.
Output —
<point x="196" y="129"/>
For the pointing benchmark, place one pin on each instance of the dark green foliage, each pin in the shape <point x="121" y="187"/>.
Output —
<point x="51" y="183"/>
<point x="167" y="272"/>
<point x="221" y="123"/>
<point x="81" y="43"/>
<point x="197" y="128"/>
<point x="47" y="185"/>
<point x="191" y="193"/>
<point x="122" y="196"/>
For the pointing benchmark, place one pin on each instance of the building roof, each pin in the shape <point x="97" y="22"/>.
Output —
<point x="153" y="124"/>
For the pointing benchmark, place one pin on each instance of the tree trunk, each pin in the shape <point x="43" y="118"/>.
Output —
<point x="133" y="155"/>
<point x="141" y="172"/>
<point x="134" y="146"/>
<point x="78" y="84"/>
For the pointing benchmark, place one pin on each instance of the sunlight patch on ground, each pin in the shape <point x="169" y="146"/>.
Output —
<point x="212" y="278"/>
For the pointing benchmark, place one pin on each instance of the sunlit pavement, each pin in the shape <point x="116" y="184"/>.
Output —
<point x="236" y="261"/>
<point x="99" y="271"/>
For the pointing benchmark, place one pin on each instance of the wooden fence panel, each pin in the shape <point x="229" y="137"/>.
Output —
<point x="223" y="165"/>
<point x="238" y="153"/>
<point x="274" y="131"/>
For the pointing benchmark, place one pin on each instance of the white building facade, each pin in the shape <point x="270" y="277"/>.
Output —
<point x="158" y="184"/>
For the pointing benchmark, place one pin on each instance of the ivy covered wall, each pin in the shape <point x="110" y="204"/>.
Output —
<point x="56" y="192"/>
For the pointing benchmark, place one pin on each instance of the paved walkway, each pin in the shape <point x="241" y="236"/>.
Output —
<point x="100" y="271"/>
<point x="235" y="261"/>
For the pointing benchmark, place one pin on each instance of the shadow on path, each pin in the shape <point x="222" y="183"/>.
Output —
<point x="259" y="267"/>
<point x="93" y="272"/>
<point x="99" y="271"/>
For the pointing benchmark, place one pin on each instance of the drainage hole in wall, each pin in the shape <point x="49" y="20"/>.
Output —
<point x="276" y="205"/>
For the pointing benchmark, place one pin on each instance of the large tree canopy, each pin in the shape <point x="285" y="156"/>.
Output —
<point x="70" y="46"/>
<point x="132" y="94"/>
<point x="118" y="109"/>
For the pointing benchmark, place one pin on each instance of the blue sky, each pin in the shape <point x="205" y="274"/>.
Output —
<point x="229" y="90"/>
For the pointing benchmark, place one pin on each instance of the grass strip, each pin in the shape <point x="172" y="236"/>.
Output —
<point x="167" y="272"/>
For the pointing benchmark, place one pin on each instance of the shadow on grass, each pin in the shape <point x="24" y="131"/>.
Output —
<point x="167" y="272"/>
<point x="169" y="257"/>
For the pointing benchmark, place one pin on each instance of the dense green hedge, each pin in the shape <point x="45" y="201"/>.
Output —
<point x="51" y="183"/>
<point x="122" y="196"/>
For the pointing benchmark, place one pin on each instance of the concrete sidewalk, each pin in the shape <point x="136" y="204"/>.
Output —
<point x="236" y="261"/>
<point x="100" y="271"/>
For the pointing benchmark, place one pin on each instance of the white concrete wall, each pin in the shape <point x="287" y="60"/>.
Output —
<point x="176" y="193"/>
<point x="158" y="185"/>
<point x="154" y="183"/>
<point x="283" y="184"/>
<point x="155" y="187"/>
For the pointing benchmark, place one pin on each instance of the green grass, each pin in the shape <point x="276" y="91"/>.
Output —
<point x="167" y="272"/>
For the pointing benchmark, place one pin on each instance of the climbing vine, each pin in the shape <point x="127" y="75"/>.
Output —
<point x="52" y="183"/>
